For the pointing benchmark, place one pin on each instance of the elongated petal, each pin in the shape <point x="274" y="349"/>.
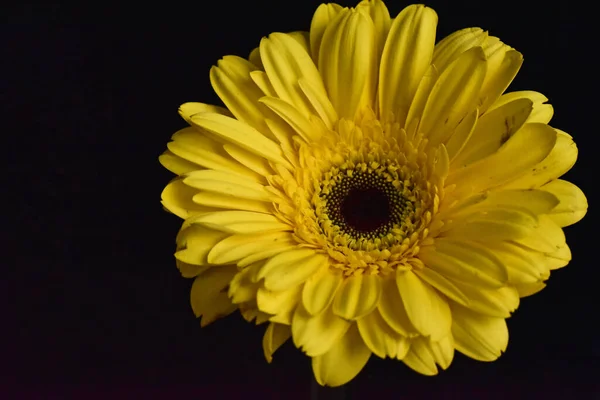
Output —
<point x="499" y="75"/>
<point x="286" y="276"/>
<point x="233" y="83"/>
<point x="343" y="361"/>
<point x="380" y="338"/>
<point x="240" y="134"/>
<point x="286" y="62"/>
<point x="241" y="222"/>
<point x="190" y="270"/>
<point x="294" y="118"/>
<point x="406" y="57"/>
<point x="227" y="184"/>
<point x="319" y="290"/>
<point x="426" y="309"/>
<point x="558" y="162"/>
<point x="425" y="353"/>
<point x="177" y="198"/>
<point x="249" y="159"/>
<point x="453" y="96"/>
<point x="380" y="16"/>
<point x="187" y="110"/>
<point x="522" y="264"/>
<point x="479" y="336"/>
<point x="236" y="247"/>
<point x="464" y="261"/>
<point x="209" y="295"/>
<point x="323" y="16"/>
<point x="548" y="237"/>
<point x="196" y="242"/>
<point x="572" y="205"/>
<point x="462" y="135"/>
<point x="315" y="335"/>
<point x="508" y="163"/>
<point x="499" y="302"/>
<point x="453" y="45"/>
<point x="275" y="336"/>
<point x="442" y="284"/>
<point x="393" y="311"/>
<point x="176" y="164"/>
<point x="358" y="296"/>
<point x="494" y="129"/>
<point x="348" y="54"/>
<point x="278" y="302"/>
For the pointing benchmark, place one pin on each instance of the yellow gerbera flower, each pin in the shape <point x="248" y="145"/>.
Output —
<point x="367" y="191"/>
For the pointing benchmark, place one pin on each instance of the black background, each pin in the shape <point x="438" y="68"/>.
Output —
<point x="95" y="307"/>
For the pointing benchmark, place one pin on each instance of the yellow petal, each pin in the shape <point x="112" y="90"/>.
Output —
<point x="236" y="247"/>
<point x="548" y="237"/>
<point x="187" y="110"/>
<point x="427" y="310"/>
<point x="218" y="200"/>
<point x="190" y="270"/>
<point x="558" y="258"/>
<point x="238" y="133"/>
<point x="343" y="361"/>
<point x="315" y="335"/>
<point x="285" y="62"/>
<point x="493" y="130"/>
<point x="197" y="241"/>
<point x="453" y="96"/>
<point x="500" y="75"/>
<point x="209" y="294"/>
<point x="280" y="276"/>
<point x="464" y="261"/>
<point x="406" y="57"/>
<point x="241" y="222"/>
<point x="420" y="358"/>
<point x="528" y="289"/>
<point x="572" y="205"/>
<point x="303" y="39"/>
<point x="393" y="311"/>
<point x="522" y="152"/>
<point x="275" y="336"/>
<point x="442" y="284"/>
<point x="294" y="118"/>
<point x="320" y="290"/>
<point x="415" y="111"/>
<point x="358" y="296"/>
<point x="424" y="354"/>
<point x="348" y="54"/>
<point x="492" y="302"/>
<point x="227" y="183"/>
<point x="176" y="164"/>
<point x="177" y="198"/>
<point x="241" y="288"/>
<point x="560" y="160"/>
<point x="233" y="84"/>
<point x="541" y="112"/>
<point x="462" y="135"/>
<point x="196" y="147"/>
<point x="453" y="45"/>
<point x="278" y="302"/>
<point x="522" y="264"/>
<point x="380" y="338"/>
<point x="269" y="250"/>
<point x="479" y="336"/>
<point x="323" y="16"/>
<point x="252" y="161"/>
<point x="380" y="16"/>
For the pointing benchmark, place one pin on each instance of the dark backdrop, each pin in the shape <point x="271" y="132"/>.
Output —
<point x="95" y="307"/>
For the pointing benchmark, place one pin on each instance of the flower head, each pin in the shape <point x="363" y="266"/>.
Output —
<point x="367" y="191"/>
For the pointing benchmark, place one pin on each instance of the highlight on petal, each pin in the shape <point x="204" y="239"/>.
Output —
<point x="343" y="361"/>
<point x="406" y="57"/>
<point x="427" y="310"/>
<point x="425" y="353"/>
<point x="319" y="290"/>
